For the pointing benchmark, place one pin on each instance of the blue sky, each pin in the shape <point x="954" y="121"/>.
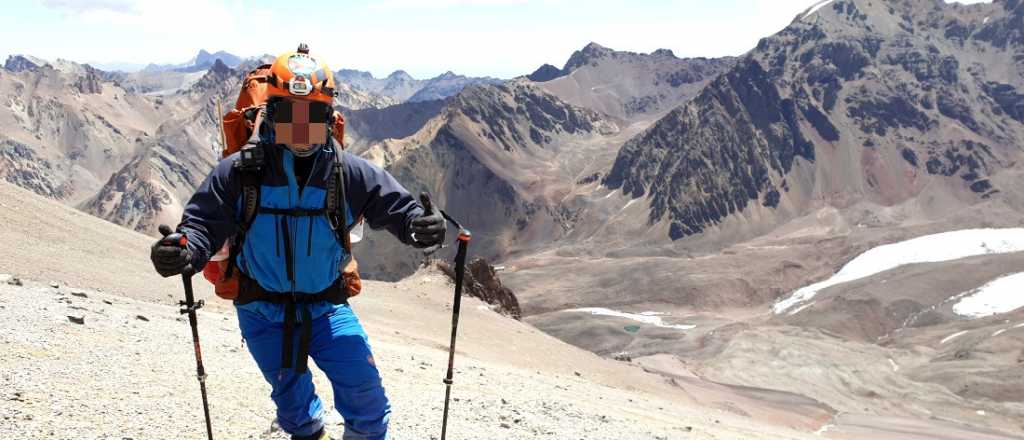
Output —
<point x="502" y="38"/>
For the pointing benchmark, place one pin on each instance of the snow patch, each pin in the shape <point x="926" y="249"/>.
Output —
<point x="952" y="337"/>
<point x="999" y="332"/>
<point x="895" y="366"/>
<point x="946" y="246"/>
<point x="824" y="429"/>
<point x="816" y="7"/>
<point x="1001" y="295"/>
<point x="985" y="21"/>
<point x="646" y="317"/>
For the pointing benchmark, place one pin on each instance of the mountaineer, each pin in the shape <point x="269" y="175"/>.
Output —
<point x="283" y="207"/>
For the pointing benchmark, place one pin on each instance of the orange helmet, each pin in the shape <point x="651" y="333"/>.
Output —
<point x="298" y="75"/>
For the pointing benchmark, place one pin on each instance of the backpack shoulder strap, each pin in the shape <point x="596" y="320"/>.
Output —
<point x="337" y="208"/>
<point x="250" y="172"/>
<point x="250" y="175"/>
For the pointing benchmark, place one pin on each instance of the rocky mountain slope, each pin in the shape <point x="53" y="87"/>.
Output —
<point x="54" y="243"/>
<point x="857" y="101"/>
<point x="521" y="161"/>
<point x="153" y="187"/>
<point x="499" y="158"/>
<point x="585" y="396"/>
<point x="56" y="380"/>
<point x="402" y="87"/>
<point x="628" y="85"/>
<point x="65" y="128"/>
<point x="368" y="125"/>
<point x="825" y="141"/>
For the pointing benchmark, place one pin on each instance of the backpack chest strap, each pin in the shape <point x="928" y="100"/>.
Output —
<point x="293" y="212"/>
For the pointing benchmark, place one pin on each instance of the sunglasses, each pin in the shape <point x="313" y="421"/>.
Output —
<point x="301" y="123"/>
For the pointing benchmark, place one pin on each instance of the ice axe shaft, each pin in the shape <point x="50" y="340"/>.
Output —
<point x="189" y="307"/>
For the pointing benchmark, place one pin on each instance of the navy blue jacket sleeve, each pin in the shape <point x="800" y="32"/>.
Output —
<point x="210" y="215"/>
<point x="375" y="194"/>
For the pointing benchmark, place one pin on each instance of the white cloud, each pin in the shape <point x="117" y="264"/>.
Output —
<point x="87" y="6"/>
<point x="436" y="4"/>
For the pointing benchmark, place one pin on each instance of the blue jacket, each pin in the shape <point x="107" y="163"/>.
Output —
<point x="213" y="215"/>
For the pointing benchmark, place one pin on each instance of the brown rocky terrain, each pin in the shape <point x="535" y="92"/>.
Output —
<point x="629" y="85"/>
<point x="495" y="157"/>
<point x="81" y="361"/>
<point x="481" y="281"/>
<point x="370" y="125"/>
<point x="653" y="209"/>
<point x="65" y="129"/>
<point x="512" y="380"/>
<point x="859" y="100"/>
<point x="825" y="141"/>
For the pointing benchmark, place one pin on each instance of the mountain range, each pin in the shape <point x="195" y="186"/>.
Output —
<point x="404" y="88"/>
<point x="672" y="213"/>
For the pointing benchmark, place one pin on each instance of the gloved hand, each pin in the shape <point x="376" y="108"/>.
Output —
<point x="428" y="229"/>
<point x="170" y="255"/>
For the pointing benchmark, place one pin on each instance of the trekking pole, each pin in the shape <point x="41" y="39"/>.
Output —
<point x="460" y="270"/>
<point x="189" y="306"/>
<point x="223" y="134"/>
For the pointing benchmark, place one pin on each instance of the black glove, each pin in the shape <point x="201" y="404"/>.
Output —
<point x="170" y="255"/>
<point x="428" y="229"/>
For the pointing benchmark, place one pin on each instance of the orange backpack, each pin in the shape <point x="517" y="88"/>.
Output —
<point x="238" y="126"/>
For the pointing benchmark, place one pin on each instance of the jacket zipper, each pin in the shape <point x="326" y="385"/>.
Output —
<point x="309" y="230"/>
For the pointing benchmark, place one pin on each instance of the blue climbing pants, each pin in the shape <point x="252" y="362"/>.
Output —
<point x="340" y="348"/>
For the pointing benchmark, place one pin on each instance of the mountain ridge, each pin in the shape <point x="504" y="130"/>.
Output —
<point x="840" y="75"/>
<point x="402" y="87"/>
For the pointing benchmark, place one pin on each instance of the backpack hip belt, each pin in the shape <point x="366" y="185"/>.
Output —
<point x="250" y="291"/>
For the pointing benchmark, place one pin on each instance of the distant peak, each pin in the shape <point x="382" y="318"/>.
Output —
<point x="587" y="55"/>
<point x="545" y="73"/>
<point x="19" y="63"/>
<point x="448" y="75"/>
<point x="400" y="74"/>
<point x="204" y="58"/>
<point x="219" y="67"/>
<point x="352" y="73"/>
<point x="664" y="53"/>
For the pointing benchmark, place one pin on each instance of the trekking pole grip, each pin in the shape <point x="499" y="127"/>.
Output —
<point x="177" y="239"/>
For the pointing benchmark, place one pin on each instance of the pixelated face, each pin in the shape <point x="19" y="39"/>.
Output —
<point x="301" y="124"/>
